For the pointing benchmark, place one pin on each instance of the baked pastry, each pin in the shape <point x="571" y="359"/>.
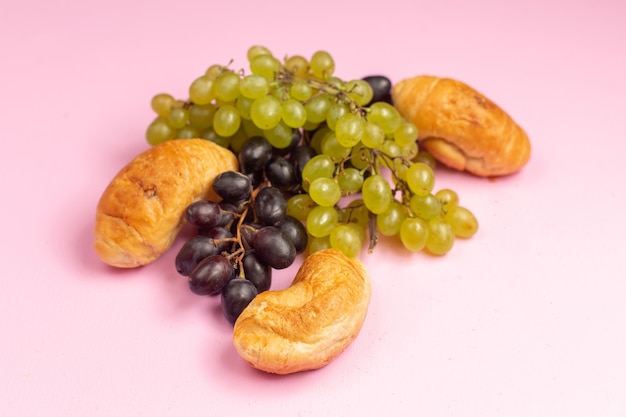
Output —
<point x="142" y="209"/>
<point x="307" y="325"/>
<point x="460" y="127"/>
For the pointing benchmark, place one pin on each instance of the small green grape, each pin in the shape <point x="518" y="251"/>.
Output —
<point x="301" y="90"/>
<point x="317" y="108"/>
<point x="266" y="112"/>
<point x="178" y="117"/>
<point x="373" y="135"/>
<point x="462" y="221"/>
<point x="322" y="65"/>
<point x="226" y="87"/>
<point x="265" y="65"/>
<point x="299" y="206"/>
<point x="325" y="191"/>
<point x="201" y="90"/>
<point x="293" y="113"/>
<point x="440" y="236"/>
<point x="350" y="129"/>
<point x="413" y="233"/>
<point x="332" y="147"/>
<point x="420" y="178"/>
<point x="316" y="244"/>
<point x="226" y="121"/>
<point x="448" y="198"/>
<point x="201" y="116"/>
<point x="346" y="239"/>
<point x="350" y="180"/>
<point x="159" y="131"/>
<point x="297" y="65"/>
<point x="426" y="207"/>
<point x="405" y="133"/>
<point x="256" y="50"/>
<point x="320" y="166"/>
<point x="389" y="221"/>
<point x="384" y="115"/>
<point x="253" y="86"/>
<point x="377" y="194"/>
<point x="360" y="91"/>
<point x="321" y="221"/>
<point x="162" y="104"/>
<point x="279" y="136"/>
<point x="335" y="111"/>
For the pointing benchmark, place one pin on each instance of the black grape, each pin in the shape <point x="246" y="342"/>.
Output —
<point x="274" y="248"/>
<point x="294" y="230"/>
<point x="192" y="252"/>
<point x="270" y="206"/>
<point x="204" y="214"/>
<point x="233" y="187"/>
<point x="236" y="295"/>
<point x="210" y="276"/>
<point x="381" y="86"/>
<point x="256" y="271"/>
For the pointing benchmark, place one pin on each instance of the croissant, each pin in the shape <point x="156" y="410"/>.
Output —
<point x="307" y="325"/>
<point x="141" y="211"/>
<point x="460" y="127"/>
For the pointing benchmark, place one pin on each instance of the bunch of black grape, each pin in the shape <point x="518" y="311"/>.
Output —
<point x="241" y="239"/>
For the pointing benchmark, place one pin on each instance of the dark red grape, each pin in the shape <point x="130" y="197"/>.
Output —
<point x="299" y="157"/>
<point x="294" y="230"/>
<point x="270" y="206"/>
<point x="233" y="187"/>
<point x="254" y="154"/>
<point x="256" y="271"/>
<point x="274" y="248"/>
<point x="220" y="233"/>
<point x="192" y="252"/>
<point x="210" y="276"/>
<point x="280" y="172"/>
<point x="236" y="295"/>
<point x="204" y="214"/>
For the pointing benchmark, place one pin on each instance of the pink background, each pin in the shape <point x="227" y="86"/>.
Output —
<point x="528" y="318"/>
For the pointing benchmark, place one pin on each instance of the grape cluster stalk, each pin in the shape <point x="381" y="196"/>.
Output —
<point x="324" y="163"/>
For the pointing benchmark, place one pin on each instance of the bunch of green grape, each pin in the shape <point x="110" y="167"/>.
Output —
<point x="357" y="169"/>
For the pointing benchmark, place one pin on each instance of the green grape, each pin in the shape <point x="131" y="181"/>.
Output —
<point x="320" y="166"/>
<point x="201" y="90"/>
<point x="414" y="233"/>
<point x="201" y="116"/>
<point x="420" y="178"/>
<point x="321" y="221"/>
<point x="426" y="207"/>
<point x="188" y="132"/>
<point x="301" y="90"/>
<point x="384" y="115"/>
<point x="310" y="126"/>
<point x="440" y="236"/>
<point x="237" y="140"/>
<point x="360" y="91"/>
<point x="400" y="169"/>
<point x="214" y="71"/>
<point x="325" y="191"/>
<point x="318" y="137"/>
<point x="391" y="148"/>
<point x="299" y="206"/>
<point x="350" y="180"/>
<point x="266" y="112"/>
<point x="209" y="134"/>
<point x="293" y="113"/>
<point x="359" y="229"/>
<point x="355" y="212"/>
<point x="265" y="65"/>
<point x="322" y="65"/>
<point x="335" y="111"/>
<point x="244" y="105"/>
<point x="389" y="221"/>
<point x="159" y="131"/>
<point x="249" y="127"/>
<point x="253" y="86"/>
<point x="256" y="50"/>
<point x="373" y="135"/>
<point x="330" y="146"/>
<point x="316" y="244"/>
<point x="377" y="194"/>
<point x="317" y="108"/>
<point x="410" y="151"/>
<point x="178" y="118"/>
<point x="347" y="240"/>
<point x="448" y="198"/>
<point x="426" y="158"/>
<point x="226" y="87"/>
<point x="226" y="121"/>
<point x="281" y="92"/>
<point x="462" y="221"/>
<point x="162" y="104"/>
<point x="279" y="136"/>
<point x="360" y="156"/>
<point x="297" y="65"/>
<point x="349" y="129"/>
<point x="405" y="133"/>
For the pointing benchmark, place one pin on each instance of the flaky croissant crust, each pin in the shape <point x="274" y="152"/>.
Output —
<point x="307" y="325"/>
<point x="461" y="127"/>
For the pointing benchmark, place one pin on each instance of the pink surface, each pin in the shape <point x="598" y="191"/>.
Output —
<point x="526" y="319"/>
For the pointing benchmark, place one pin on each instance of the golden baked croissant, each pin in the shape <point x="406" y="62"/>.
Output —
<point x="142" y="210"/>
<point x="307" y="325"/>
<point x="460" y="127"/>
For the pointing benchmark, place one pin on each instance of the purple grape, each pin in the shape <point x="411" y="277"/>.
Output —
<point x="204" y="214"/>
<point x="270" y="206"/>
<point x="256" y="271"/>
<point x="236" y="295"/>
<point x="280" y="172"/>
<point x="233" y="187"/>
<point x="254" y="154"/>
<point x="295" y="231"/>
<point x="210" y="276"/>
<point x="192" y="252"/>
<point x="273" y="247"/>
